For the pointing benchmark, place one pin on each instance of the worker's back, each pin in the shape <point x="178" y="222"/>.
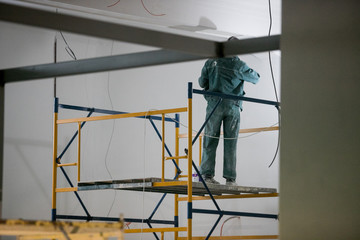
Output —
<point x="226" y="75"/>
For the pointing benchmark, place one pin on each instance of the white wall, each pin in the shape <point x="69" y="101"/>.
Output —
<point x="28" y="126"/>
<point x="245" y="17"/>
<point x="129" y="148"/>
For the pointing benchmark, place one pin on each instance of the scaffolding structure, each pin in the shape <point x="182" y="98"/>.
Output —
<point x="193" y="190"/>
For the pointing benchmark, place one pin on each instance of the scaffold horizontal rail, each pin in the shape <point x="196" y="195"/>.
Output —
<point x="106" y="111"/>
<point x="241" y="131"/>
<point x="234" y="237"/>
<point x="125" y="115"/>
<point x="152" y="230"/>
<point x="177" y="157"/>
<point x="66" y="164"/>
<point x="234" y="213"/>
<point x="244" y="195"/>
<point x="69" y="189"/>
<point x="170" y="186"/>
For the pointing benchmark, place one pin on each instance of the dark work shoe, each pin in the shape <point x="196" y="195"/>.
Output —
<point x="210" y="180"/>
<point x="231" y="182"/>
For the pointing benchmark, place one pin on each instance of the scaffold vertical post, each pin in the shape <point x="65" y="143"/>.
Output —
<point x="79" y="150"/>
<point x="189" y="228"/>
<point x="176" y="206"/>
<point x="54" y="172"/>
<point x="163" y="148"/>
<point x="200" y="149"/>
<point x="2" y="126"/>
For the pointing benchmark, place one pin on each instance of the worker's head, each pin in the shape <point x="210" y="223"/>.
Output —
<point x="232" y="38"/>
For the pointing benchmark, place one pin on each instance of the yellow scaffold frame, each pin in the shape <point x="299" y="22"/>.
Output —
<point x="79" y="121"/>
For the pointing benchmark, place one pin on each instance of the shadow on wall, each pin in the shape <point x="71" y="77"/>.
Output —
<point x="204" y="24"/>
<point x="19" y="145"/>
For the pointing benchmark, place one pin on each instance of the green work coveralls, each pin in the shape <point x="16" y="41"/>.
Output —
<point x="224" y="75"/>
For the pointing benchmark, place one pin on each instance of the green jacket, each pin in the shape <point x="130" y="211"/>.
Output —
<point x="227" y="75"/>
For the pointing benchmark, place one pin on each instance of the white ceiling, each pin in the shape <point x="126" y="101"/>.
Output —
<point x="211" y="19"/>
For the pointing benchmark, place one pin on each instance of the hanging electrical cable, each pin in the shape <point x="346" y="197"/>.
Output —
<point x="112" y="108"/>
<point x="112" y="132"/>
<point x="224" y="138"/>
<point x="143" y="4"/>
<point x="273" y="80"/>
<point x="144" y="174"/>
<point x="153" y="14"/>
<point x="68" y="48"/>
<point x="114" y="4"/>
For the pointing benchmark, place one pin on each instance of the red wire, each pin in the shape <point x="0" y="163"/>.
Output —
<point x="128" y="224"/>
<point x="114" y="4"/>
<point x="221" y="229"/>
<point x="158" y="15"/>
<point x="142" y="2"/>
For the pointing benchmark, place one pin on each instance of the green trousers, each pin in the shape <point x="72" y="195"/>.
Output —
<point x="228" y="114"/>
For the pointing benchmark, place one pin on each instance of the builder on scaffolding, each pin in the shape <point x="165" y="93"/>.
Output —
<point x="223" y="75"/>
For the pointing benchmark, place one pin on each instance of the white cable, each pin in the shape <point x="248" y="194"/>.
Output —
<point x="226" y="221"/>
<point x="275" y="91"/>
<point x="112" y="108"/>
<point x="144" y="169"/>
<point x="112" y="133"/>
<point x="224" y="138"/>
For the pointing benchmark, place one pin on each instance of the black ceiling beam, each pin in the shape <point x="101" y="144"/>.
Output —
<point x="93" y="65"/>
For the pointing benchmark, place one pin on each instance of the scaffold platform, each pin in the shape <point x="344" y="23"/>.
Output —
<point x="169" y="186"/>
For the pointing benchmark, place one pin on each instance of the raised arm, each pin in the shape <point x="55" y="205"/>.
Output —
<point x="248" y="74"/>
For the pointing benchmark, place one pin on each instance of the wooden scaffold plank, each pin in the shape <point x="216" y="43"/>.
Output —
<point x="27" y="229"/>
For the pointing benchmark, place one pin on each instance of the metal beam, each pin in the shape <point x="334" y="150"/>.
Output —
<point x="108" y="30"/>
<point x="93" y="65"/>
<point x="132" y="60"/>
<point x="251" y="45"/>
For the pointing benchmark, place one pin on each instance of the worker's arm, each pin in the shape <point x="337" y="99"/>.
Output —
<point x="248" y="74"/>
<point x="204" y="78"/>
